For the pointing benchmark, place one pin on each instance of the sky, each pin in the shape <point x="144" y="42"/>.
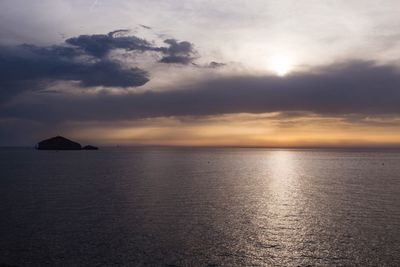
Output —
<point x="262" y="73"/>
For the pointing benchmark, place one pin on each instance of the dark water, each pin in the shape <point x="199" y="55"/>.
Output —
<point x="191" y="207"/>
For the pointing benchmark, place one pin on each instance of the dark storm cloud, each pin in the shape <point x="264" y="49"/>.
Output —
<point x="358" y="87"/>
<point x="83" y="59"/>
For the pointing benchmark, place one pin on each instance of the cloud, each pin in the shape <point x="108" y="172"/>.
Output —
<point x="178" y="52"/>
<point x="84" y="59"/>
<point x="357" y="87"/>
<point x="214" y="64"/>
<point x="99" y="45"/>
<point x="30" y="68"/>
<point x="145" y="27"/>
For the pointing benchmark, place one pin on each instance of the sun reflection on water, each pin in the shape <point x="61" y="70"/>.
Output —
<point x="284" y="229"/>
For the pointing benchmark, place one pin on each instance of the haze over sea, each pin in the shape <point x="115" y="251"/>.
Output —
<point x="200" y="206"/>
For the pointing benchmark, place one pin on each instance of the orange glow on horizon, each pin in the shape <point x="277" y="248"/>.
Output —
<point x="264" y="130"/>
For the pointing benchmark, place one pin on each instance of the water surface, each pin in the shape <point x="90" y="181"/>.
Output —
<point x="180" y="207"/>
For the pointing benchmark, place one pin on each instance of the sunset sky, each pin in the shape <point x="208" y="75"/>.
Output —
<point x="206" y="73"/>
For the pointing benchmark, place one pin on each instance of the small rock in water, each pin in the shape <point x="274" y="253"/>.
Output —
<point x="90" y="148"/>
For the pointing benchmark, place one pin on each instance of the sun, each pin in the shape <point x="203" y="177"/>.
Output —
<point x="281" y="65"/>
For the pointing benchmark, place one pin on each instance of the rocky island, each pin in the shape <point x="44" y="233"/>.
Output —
<point x="61" y="143"/>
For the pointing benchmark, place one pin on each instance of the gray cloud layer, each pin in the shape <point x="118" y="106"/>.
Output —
<point x="358" y="87"/>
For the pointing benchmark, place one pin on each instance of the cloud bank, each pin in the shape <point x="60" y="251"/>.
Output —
<point x="357" y="87"/>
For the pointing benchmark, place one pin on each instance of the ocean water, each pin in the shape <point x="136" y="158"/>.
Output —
<point x="199" y="207"/>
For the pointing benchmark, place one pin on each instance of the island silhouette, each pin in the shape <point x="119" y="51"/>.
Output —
<point x="62" y="143"/>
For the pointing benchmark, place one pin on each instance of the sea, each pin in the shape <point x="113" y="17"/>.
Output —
<point x="163" y="206"/>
